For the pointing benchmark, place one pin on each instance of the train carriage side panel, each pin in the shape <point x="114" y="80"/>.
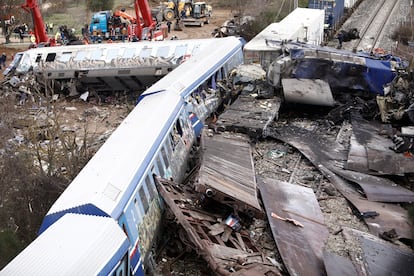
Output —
<point x="107" y="180"/>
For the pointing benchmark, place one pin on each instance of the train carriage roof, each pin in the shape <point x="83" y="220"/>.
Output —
<point x="76" y="245"/>
<point x="194" y="69"/>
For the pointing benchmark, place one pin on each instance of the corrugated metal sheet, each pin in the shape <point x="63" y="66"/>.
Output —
<point x="227" y="168"/>
<point x="77" y="245"/>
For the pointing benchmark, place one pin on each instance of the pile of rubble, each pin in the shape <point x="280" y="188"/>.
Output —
<point x="302" y="190"/>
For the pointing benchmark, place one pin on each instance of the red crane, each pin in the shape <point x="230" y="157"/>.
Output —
<point x="40" y="34"/>
<point x="142" y="8"/>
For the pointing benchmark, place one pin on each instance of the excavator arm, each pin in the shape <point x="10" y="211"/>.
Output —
<point x="32" y="7"/>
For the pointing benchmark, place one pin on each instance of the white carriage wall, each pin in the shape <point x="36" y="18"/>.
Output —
<point x="302" y="24"/>
<point x="350" y="3"/>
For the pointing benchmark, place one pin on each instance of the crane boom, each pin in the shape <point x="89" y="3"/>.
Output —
<point x="32" y="7"/>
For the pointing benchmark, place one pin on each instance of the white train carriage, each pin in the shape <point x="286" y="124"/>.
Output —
<point x="201" y="75"/>
<point x="108" y="67"/>
<point x="118" y="183"/>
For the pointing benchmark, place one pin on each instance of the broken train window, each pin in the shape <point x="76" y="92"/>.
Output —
<point x="50" y="57"/>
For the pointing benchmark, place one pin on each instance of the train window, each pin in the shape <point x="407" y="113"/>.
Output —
<point x="112" y="53"/>
<point x="160" y="166"/>
<point x="165" y="157"/>
<point x="143" y="198"/>
<point x="178" y="128"/>
<point x="96" y="54"/>
<point x="163" y="51"/>
<point x="38" y="58"/>
<point x="122" y="269"/>
<point x="180" y="51"/>
<point x="145" y="52"/>
<point x="137" y="207"/>
<point x="168" y="146"/>
<point x="129" y="53"/>
<point x="81" y="55"/>
<point x="173" y="141"/>
<point x="150" y="186"/>
<point x="65" y="57"/>
<point x="50" y="57"/>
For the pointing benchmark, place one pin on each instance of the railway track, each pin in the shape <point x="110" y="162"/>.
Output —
<point x="373" y="30"/>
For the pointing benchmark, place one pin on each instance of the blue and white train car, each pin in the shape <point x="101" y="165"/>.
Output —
<point x="61" y="250"/>
<point x="118" y="182"/>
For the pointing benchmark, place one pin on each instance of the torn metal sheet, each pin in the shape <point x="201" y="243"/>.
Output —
<point x="307" y="91"/>
<point x="337" y="265"/>
<point x="378" y="147"/>
<point x="381" y="257"/>
<point x="324" y="154"/>
<point x="377" y="188"/>
<point x="357" y="157"/>
<point x="300" y="247"/>
<point x="224" y="250"/>
<point x="249" y="115"/>
<point x="390" y="162"/>
<point x="227" y="172"/>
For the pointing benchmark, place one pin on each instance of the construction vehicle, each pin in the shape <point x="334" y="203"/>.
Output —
<point x="188" y="12"/>
<point x="39" y="29"/>
<point x="110" y="25"/>
<point x="198" y="15"/>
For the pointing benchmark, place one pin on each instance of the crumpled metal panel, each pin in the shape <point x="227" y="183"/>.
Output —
<point x="323" y="154"/>
<point x="300" y="247"/>
<point x="377" y="188"/>
<point x="381" y="257"/>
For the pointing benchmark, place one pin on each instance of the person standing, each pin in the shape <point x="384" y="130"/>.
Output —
<point x="169" y="26"/>
<point x="3" y="58"/>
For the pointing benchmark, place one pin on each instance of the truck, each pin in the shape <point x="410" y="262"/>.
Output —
<point x="186" y="12"/>
<point x="120" y="25"/>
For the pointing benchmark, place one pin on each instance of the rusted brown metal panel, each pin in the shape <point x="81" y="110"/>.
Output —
<point x="381" y="257"/>
<point x="381" y="158"/>
<point x="225" y="251"/>
<point x="227" y="172"/>
<point x="300" y="247"/>
<point x="323" y="154"/>
<point x="390" y="162"/>
<point x="337" y="265"/>
<point x="377" y="188"/>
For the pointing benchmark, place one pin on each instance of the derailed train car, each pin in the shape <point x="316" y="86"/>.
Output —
<point x="107" y="220"/>
<point x="106" y="67"/>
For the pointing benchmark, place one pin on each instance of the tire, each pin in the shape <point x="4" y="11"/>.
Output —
<point x="169" y="15"/>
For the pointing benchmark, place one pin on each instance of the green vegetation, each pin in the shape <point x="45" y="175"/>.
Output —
<point x="10" y="246"/>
